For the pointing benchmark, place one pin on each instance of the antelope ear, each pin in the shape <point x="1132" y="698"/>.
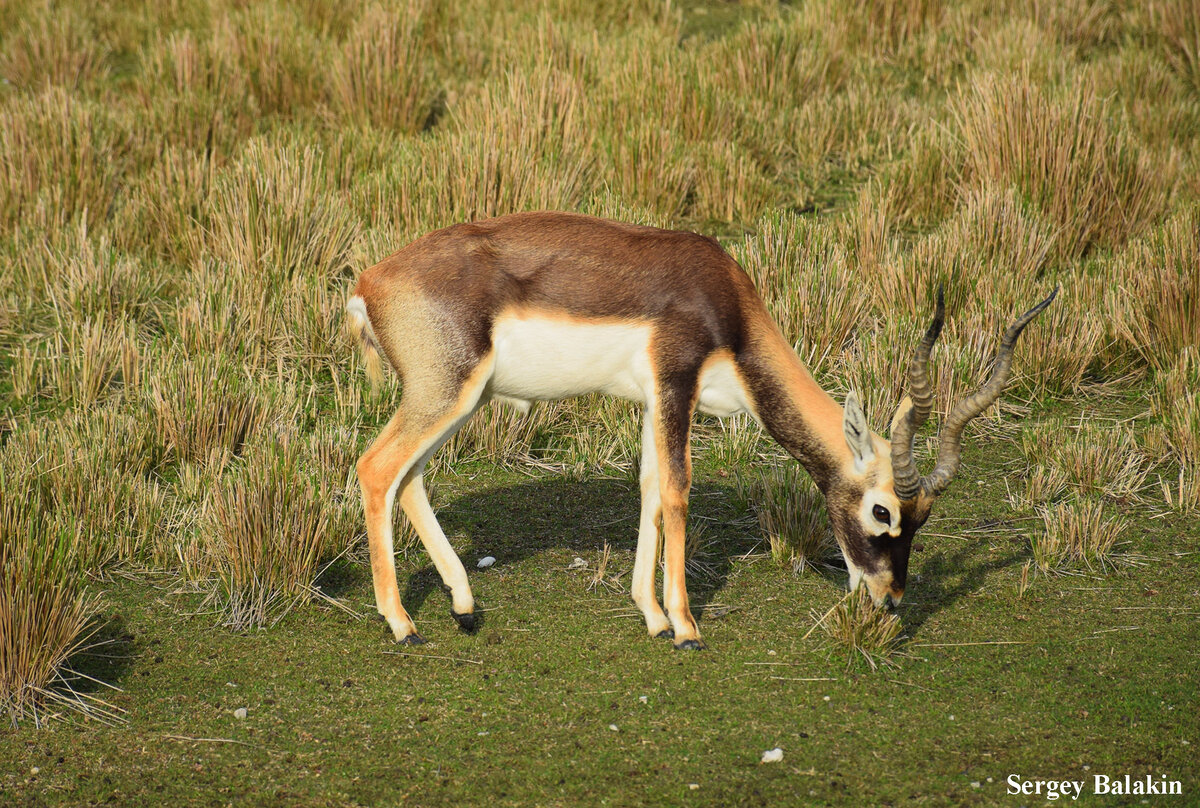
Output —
<point x="858" y="434"/>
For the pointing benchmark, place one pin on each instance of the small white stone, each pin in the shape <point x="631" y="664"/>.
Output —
<point x="975" y="784"/>
<point x="34" y="771"/>
<point x="481" y="734"/>
<point x="577" y="564"/>
<point x="486" y="562"/>
<point x="646" y="700"/>
<point x="240" y="712"/>
<point x="772" y="755"/>
<point x="952" y="716"/>
<point x="770" y="653"/>
<point x="614" y="727"/>
<point x="989" y="779"/>
<point x="1087" y="768"/>
<point x="826" y="698"/>
<point x="693" y="786"/>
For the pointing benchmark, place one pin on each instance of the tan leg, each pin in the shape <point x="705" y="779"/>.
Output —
<point x="397" y="458"/>
<point x="672" y="440"/>
<point x="646" y="562"/>
<point x="380" y="471"/>
<point x="416" y="507"/>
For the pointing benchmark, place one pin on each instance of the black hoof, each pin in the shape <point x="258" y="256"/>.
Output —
<point x="665" y="634"/>
<point x="468" y="622"/>
<point x="689" y="645"/>
<point x="413" y="639"/>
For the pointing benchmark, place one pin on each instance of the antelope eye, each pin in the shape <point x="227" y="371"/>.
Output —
<point x="882" y="514"/>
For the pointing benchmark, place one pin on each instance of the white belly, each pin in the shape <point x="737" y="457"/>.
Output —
<point x="544" y="358"/>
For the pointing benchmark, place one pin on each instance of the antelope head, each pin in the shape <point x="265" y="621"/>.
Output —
<point x="878" y="508"/>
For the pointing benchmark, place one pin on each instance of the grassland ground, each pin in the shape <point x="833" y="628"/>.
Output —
<point x="187" y="191"/>
<point x="1091" y="675"/>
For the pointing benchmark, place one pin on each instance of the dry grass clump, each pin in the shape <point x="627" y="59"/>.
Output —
<point x="520" y="144"/>
<point x="1156" y="300"/>
<point x="271" y="525"/>
<point x="1178" y="23"/>
<point x="862" y="630"/>
<point x="62" y="156"/>
<point x="195" y="96"/>
<point x="921" y="187"/>
<point x="803" y="274"/>
<point x="204" y="405"/>
<point x="1176" y="400"/>
<point x="1086" y="24"/>
<point x="595" y="434"/>
<point x="499" y="433"/>
<point x="1091" y="458"/>
<point x="791" y="514"/>
<point x="1063" y="154"/>
<point x="896" y="21"/>
<point x="93" y="471"/>
<point x="1078" y="535"/>
<point x="45" y="609"/>
<point x="785" y="62"/>
<point x="80" y="367"/>
<point x="1176" y="403"/>
<point x="273" y="222"/>
<point x="60" y="49"/>
<point x="88" y="278"/>
<point x="278" y="56"/>
<point x="734" y="442"/>
<point x="380" y="76"/>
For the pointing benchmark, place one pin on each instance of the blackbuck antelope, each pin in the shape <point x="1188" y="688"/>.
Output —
<point x="545" y="306"/>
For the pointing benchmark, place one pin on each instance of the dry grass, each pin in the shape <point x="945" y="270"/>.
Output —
<point x="45" y="609"/>
<point x="1157" y="302"/>
<point x="1091" y="458"/>
<point x="62" y="49"/>
<point x="273" y="523"/>
<point x="1178" y="23"/>
<point x="1078" y="535"/>
<point x="1064" y="155"/>
<point x="61" y="157"/>
<point x="380" y="77"/>
<point x="804" y="276"/>
<point x="203" y="406"/>
<point x="861" y="630"/>
<point x="791" y="514"/>
<point x="94" y="470"/>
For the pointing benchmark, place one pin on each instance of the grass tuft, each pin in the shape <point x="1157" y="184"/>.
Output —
<point x="791" y="514"/>
<point x="204" y="406"/>
<point x="272" y="524"/>
<point x="45" y="609"/>
<point x="861" y="630"/>
<point x="1077" y="535"/>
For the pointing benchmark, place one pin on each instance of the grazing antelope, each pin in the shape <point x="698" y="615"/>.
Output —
<point x="545" y="306"/>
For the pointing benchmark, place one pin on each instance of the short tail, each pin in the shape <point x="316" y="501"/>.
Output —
<point x="359" y="326"/>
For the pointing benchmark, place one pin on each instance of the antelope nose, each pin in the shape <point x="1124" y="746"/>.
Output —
<point x="892" y="599"/>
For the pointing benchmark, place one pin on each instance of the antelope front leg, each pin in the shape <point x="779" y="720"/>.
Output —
<point x="646" y="562"/>
<point x="675" y="480"/>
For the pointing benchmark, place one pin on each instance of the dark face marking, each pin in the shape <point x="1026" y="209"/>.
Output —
<point x="875" y="552"/>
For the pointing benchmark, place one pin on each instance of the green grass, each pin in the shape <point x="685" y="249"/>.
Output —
<point x="336" y="718"/>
